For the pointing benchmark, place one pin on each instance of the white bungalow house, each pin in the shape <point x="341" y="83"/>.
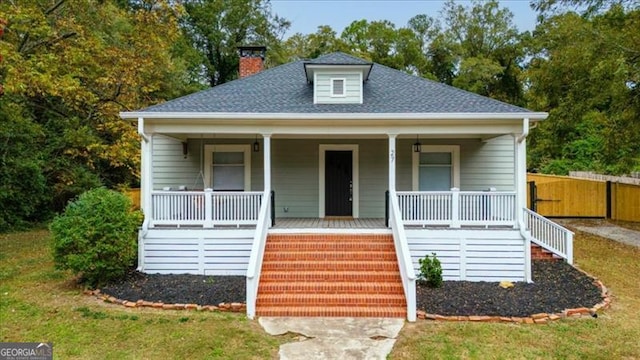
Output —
<point x="324" y="181"/>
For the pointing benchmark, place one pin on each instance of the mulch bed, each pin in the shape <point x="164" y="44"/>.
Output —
<point x="557" y="286"/>
<point x="180" y="289"/>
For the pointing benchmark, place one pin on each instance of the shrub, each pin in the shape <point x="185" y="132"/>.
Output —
<point x="95" y="236"/>
<point x="430" y="271"/>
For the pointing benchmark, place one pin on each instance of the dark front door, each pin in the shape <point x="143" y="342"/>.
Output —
<point x="338" y="183"/>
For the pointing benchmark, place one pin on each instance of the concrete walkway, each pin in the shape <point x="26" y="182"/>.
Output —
<point x="604" y="229"/>
<point x="335" y="338"/>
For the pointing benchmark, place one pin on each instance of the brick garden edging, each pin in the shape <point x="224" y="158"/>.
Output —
<point x="224" y="307"/>
<point x="540" y="318"/>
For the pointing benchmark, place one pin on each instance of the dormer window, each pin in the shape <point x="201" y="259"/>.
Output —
<point x="339" y="80"/>
<point x="337" y="87"/>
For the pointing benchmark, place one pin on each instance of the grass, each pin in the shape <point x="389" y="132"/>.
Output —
<point x="614" y="335"/>
<point x="39" y="303"/>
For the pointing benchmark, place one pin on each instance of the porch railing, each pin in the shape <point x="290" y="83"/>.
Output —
<point x="205" y="208"/>
<point x="457" y="208"/>
<point x="257" y="253"/>
<point x="549" y="235"/>
<point x="405" y="263"/>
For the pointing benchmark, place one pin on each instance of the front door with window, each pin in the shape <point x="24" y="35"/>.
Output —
<point x="338" y="183"/>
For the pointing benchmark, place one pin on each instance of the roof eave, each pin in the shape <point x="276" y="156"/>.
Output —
<point x="532" y="116"/>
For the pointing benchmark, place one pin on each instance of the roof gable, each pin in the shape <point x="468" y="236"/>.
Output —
<point x="284" y="89"/>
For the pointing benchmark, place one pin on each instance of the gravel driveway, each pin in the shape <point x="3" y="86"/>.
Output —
<point x="604" y="229"/>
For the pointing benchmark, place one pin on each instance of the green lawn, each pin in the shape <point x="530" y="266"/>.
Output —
<point x="38" y="303"/>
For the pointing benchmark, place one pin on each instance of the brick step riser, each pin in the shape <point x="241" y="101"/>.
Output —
<point x="369" y="266"/>
<point x="332" y="312"/>
<point x="325" y="276"/>
<point x="331" y="238"/>
<point x="336" y="247"/>
<point x="331" y="288"/>
<point x="337" y="301"/>
<point x="330" y="256"/>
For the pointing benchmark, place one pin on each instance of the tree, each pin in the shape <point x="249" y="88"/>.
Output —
<point x="323" y="41"/>
<point x="484" y="45"/>
<point x="584" y="72"/>
<point x="70" y="67"/>
<point x="217" y="27"/>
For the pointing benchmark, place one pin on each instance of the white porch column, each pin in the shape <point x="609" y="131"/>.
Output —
<point x="146" y="170"/>
<point x="392" y="163"/>
<point x="521" y="169"/>
<point x="267" y="161"/>
<point x="267" y="172"/>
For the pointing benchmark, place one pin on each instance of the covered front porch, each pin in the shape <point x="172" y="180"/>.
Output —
<point x="213" y="194"/>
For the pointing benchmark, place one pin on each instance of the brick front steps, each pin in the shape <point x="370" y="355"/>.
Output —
<point x="330" y="275"/>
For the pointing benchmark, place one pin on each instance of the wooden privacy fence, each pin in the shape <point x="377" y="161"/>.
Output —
<point x="562" y="196"/>
<point x="134" y="195"/>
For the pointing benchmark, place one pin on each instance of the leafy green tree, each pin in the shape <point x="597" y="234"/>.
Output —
<point x="584" y="72"/>
<point x="310" y="46"/>
<point x="216" y="28"/>
<point x="484" y="47"/>
<point x="71" y="66"/>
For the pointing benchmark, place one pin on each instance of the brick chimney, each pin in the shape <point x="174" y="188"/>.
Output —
<point x="251" y="59"/>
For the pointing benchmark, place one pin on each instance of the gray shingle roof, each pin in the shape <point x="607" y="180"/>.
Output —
<point x="284" y="89"/>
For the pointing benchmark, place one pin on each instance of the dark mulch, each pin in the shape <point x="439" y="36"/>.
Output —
<point x="180" y="289"/>
<point x="557" y="286"/>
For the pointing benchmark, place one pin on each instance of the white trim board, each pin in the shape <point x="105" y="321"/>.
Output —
<point x="355" y="174"/>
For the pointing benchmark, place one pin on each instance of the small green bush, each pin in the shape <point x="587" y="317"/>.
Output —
<point x="95" y="236"/>
<point x="430" y="271"/>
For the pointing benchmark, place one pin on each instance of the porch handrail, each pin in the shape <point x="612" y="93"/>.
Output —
<point x="257" y="253"/>
<point x="206" y="208"/>
<point x="458" y="208"/>
<point x="549" y="235"/>
<point x="407" y="273"/>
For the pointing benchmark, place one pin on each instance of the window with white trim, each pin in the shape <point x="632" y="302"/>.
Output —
<point x="338" y="87"/>
<point x="436" y="168"/>
<point x="228" y="167"/>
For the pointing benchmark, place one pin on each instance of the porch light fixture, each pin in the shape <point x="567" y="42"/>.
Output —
<point x="185" y="149"/>
<point x="256" y="145"/>
<point x="417" y="147"/>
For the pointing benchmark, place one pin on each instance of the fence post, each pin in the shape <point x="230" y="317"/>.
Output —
<point x="455" y="207"/>
<point x="608" y="199"/>
<point x="208" y="208"/>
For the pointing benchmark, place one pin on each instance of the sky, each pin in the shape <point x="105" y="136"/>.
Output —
<point x="307" y="15"/>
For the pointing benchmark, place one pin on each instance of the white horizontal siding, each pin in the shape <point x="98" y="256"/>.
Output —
<point x="170" y="168"/>
<point x="353" y="88"/>
<point x="483" y="164"/>
<point x="195" y="251"/>
<point x="487" y="255"/>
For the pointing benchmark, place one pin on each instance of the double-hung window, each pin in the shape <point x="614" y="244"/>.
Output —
<point x="436" y="168"/>
<point x="228" y="167"/>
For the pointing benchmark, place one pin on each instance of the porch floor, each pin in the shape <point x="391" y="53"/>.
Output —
<point x="329" y="223"/>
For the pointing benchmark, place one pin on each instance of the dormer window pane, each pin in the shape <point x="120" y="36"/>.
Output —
<point x="337" y="87"/>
